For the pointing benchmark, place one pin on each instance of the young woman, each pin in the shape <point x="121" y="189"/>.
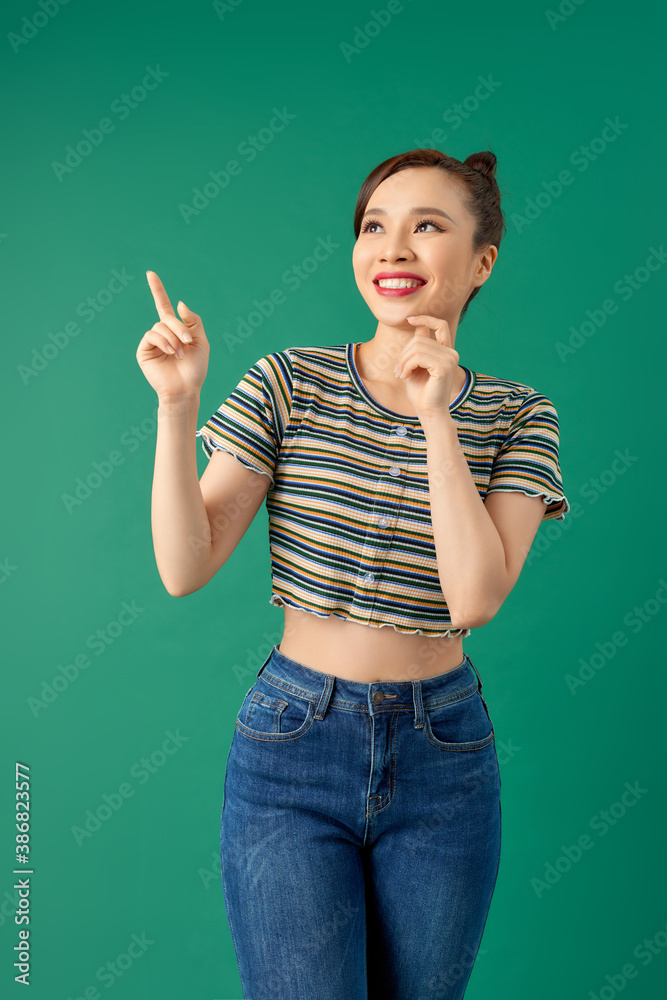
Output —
<point x="361" y="819"/>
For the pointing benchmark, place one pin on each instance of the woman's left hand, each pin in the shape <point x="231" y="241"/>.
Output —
<point x="429" y="365"/>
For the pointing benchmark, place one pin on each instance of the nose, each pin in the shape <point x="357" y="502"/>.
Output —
<point x="389" y="254"/>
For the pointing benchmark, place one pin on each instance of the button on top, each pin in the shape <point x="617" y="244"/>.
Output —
<point x="368" y="577"/>
<point x="401" y="430"/>
<point x="394" y="470"/>
<point x="383" y="521"/>
<point x="378" y="697"/>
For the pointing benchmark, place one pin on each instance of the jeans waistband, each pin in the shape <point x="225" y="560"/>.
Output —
<point x="376" y="697"/>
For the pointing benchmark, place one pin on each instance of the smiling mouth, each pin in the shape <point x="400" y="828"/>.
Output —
<point x="399" y="282"/>
<point x="397" y="288"/>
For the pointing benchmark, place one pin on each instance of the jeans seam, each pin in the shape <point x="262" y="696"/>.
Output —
<point x="469" y="747"/>
<point x="313" y="697"/>
<point x="224" y="883"/>
<point x="278" y="737"/>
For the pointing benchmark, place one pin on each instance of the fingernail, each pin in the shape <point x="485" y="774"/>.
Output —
<point x="396" y="370"/>
<point x="179" y="352"/>
<point x="187" y="338"/>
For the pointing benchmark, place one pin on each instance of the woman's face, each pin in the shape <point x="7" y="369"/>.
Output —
<point x="435" y="243"/>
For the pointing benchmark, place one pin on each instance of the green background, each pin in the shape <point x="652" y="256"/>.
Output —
<point x="593" y="590"/>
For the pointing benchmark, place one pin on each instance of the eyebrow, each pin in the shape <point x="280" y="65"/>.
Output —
<point x="411" y="211"/>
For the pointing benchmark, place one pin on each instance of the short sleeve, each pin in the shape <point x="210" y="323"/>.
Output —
<point x="528" y="458"/>
<point x="251" y="422"/>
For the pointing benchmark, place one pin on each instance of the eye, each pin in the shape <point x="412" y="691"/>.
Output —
<point x="421" y="222"/>
<point x="430" y="222"/>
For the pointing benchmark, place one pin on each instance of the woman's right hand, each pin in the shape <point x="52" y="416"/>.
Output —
<point x="170" y="375"/>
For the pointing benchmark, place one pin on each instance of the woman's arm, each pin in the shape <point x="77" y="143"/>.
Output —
<point x="479" y="558"/>
<point x="197" y="524"/>
<point x="178" y="513"/>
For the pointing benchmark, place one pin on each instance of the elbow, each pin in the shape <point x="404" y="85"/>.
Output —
<point x="181" y="585"/>
<point x="474" y="616"/>
<point x="480" y="604"/>
<point x="475" y="620"/>
<point x="180" y="591"/>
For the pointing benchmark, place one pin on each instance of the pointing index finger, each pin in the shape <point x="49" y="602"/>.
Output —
<point x="162" y="303"/>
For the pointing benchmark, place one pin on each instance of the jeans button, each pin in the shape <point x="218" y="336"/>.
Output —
<point x="378" y="697"/>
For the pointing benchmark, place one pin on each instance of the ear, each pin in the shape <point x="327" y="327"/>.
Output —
<point x="485" y="265"/>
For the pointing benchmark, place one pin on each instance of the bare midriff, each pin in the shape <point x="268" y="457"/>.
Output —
<point x="366" y="653"/>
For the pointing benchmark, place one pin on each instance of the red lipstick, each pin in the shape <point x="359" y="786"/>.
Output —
<point x="398" y="292"/>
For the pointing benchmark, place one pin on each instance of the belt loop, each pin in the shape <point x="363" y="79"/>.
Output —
<point x="419" y="704"/>
<point x="267" y="659"/>
<point x="325" y="697"/>
<point x="479" y="682"/>
<point x="479" y="679"/>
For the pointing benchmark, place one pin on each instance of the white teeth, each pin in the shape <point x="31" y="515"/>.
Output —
<point x="398" y="283"/>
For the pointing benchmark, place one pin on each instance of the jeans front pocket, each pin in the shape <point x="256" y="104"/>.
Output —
<point x="459" y="724"/>
<point x="269" y="714"/>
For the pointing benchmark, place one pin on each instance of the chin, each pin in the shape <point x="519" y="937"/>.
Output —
<point x="394" y="313"/>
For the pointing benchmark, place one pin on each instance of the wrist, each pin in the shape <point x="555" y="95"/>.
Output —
<point x="176" y="406"/>
<point x="438" y="424"/>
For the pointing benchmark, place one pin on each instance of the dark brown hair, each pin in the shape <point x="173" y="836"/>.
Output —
<point x="476" y="178"/>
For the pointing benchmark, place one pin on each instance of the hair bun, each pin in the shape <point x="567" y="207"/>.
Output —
<point x="484" y="163"/>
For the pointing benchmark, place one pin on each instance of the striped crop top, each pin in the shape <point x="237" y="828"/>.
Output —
<point x="350" y="530"/>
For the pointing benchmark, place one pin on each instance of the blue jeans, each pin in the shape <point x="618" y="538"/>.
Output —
<point x="360" y="836"/>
